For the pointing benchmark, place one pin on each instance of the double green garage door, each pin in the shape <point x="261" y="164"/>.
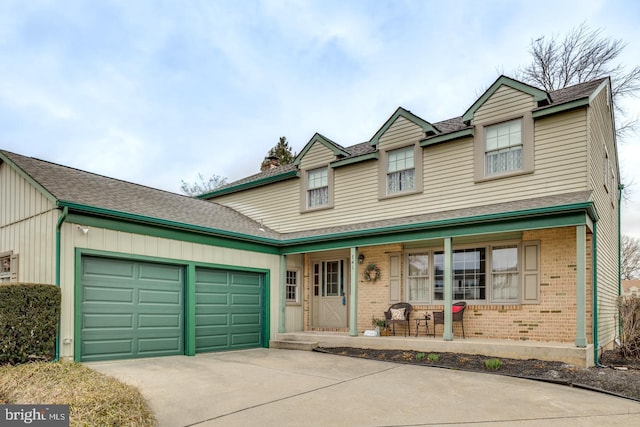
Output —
<point x="138" y="309"/>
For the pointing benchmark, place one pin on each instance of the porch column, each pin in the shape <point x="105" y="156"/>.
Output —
<point x="282" y="300"/>
<point x="353" y="297"/>
<point x="581" y="286"/>
<point x="448" y="289"/>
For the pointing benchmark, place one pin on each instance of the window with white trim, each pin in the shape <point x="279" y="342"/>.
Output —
<point x="400" y="170"/>
<point x="503" y="147"/>
<point x="292" y="288"/>
<point x="318" y="188"/>
<point x="505" y="277"/>
<point x="8" y="267"/>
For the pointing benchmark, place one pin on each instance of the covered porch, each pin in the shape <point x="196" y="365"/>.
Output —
<point x="512" y="349"/>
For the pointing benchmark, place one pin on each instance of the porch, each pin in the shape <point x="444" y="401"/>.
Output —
<point x="512" y="349"/>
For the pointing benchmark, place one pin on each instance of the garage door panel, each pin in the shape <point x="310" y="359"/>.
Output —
<point x="108" y="268"/>
<point x="245" y="319"/>
<point x="213" y="298"/>
<point x="160" y="321"/>
<point x="210" y="276"/>
<point x="159" y="272"/>
<point x="97" y="350"/>
<point x="246" y="279"/>
<point x="107" y="321"/>
<point x="241" y="299"/>
<point x="244" y="339"/>
<point x="105" y="295"/>
<point x="158" y="346"/>
<point x="171" y="297"/>
<point x="138" y="318"/>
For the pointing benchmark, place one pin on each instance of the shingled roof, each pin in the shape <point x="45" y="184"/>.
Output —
<point x="73" y="186"/>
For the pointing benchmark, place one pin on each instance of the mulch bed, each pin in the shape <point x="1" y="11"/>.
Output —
<point x="619" y="376"/>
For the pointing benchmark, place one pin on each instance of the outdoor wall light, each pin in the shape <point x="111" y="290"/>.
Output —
<point x="360" y="258"/>
<point x="83" y="228"/>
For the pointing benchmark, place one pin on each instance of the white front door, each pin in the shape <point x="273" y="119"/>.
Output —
<point x="330" y="294"/>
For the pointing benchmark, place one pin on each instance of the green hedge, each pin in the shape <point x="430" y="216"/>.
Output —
<point x="29" y="316"/>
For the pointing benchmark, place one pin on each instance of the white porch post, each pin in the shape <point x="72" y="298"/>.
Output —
<point x="581" y="286"/>
<point x="353" y="297"/>
<point x="448" y="289"/>
<point x="282" y="300"/>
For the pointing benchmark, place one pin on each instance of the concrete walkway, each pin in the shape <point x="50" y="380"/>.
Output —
<point x="270" y="387"/>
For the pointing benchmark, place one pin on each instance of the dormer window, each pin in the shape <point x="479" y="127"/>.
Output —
<point x="318" y="188"/>
<point x="503" y="147"/>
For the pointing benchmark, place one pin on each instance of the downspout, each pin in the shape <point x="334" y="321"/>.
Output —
<point x="620" y="188"/>
<point x="65" y="212"/>
<point x="594" y="315"/>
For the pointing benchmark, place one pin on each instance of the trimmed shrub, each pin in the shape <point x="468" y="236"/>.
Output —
<point x="29" y="315"/>
<point x="493" y="364"/>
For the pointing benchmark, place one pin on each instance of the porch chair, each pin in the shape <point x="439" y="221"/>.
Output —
<point x="457" y="310"/>
<point x="398" y="313"/>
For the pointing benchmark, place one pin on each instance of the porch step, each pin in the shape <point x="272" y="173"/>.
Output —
<point x="293" y="345"/>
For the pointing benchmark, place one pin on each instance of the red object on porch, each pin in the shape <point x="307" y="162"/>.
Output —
<point x="458" y="316"/>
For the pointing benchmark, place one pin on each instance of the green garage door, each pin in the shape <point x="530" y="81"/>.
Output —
<point x="229" y="310"/>
<point x="131" y="309"/>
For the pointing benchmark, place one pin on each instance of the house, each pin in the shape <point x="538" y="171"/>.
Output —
<point x="631" y="288"/>
<point x="511" y="207"/>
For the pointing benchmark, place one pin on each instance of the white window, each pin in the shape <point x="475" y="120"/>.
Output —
<point x="418" y="277"/>
<point x="400" y="170"/>
<point x="318" y="188"/>
<point x="8" y="267"/>
<point x="505" y="278"/>
<point x="503" y="147"/>
<point x="292" y="286"/>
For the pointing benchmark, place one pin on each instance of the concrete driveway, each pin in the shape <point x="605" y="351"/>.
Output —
<point x="270" y="387"/>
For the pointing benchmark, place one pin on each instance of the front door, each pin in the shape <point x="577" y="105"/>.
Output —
<point x="330" y="294"/>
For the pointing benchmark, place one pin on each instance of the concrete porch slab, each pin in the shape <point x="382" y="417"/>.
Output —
<point x="561" y="352"/>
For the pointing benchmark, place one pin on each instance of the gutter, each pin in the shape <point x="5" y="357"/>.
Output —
<point x="61" y="219"/>
<point x="595" y="321"/>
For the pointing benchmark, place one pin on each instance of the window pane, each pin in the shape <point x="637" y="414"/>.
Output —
<point x="317" y="178"/>
<point x="469" y="279"/>
<point x="418" y="266"/>
<point x="318" y="197"/>
<point x="292" y="286"/>
<point x="505" y="281"/>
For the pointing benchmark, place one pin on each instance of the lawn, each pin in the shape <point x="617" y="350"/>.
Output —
<point x="94" y="399"/>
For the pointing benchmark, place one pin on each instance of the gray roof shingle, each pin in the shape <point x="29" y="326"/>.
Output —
<point x="89" y="189"/>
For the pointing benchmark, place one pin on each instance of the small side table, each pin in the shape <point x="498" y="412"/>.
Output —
<point x="423" y="320"/>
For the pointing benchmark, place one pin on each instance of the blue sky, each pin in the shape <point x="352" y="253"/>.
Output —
<point x="155" y="92"/>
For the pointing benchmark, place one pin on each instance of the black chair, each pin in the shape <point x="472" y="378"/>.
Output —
<point x="457" y="311"/>
<point x="400" y="316"/>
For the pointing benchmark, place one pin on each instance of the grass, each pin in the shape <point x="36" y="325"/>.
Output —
<point x="94" y="399"/>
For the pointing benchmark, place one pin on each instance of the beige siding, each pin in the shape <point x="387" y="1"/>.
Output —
<point x="448" y="181"/>
<point x="606" y="200"/>
<point x="317" y="156"/>
<point x="27" y="227"/>
<point x="19" y="199"/>
<point x="125" y="243"/>
<point x="401" y="133"/>
<point x="504" y="104"/>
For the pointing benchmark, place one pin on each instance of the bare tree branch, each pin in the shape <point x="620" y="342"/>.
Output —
<point x="630" y="258"/>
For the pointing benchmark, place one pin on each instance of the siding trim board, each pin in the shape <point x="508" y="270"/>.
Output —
<point x="427" y="127"/>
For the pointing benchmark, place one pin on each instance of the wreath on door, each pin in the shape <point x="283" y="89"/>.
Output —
<point x="372" y="273"/>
